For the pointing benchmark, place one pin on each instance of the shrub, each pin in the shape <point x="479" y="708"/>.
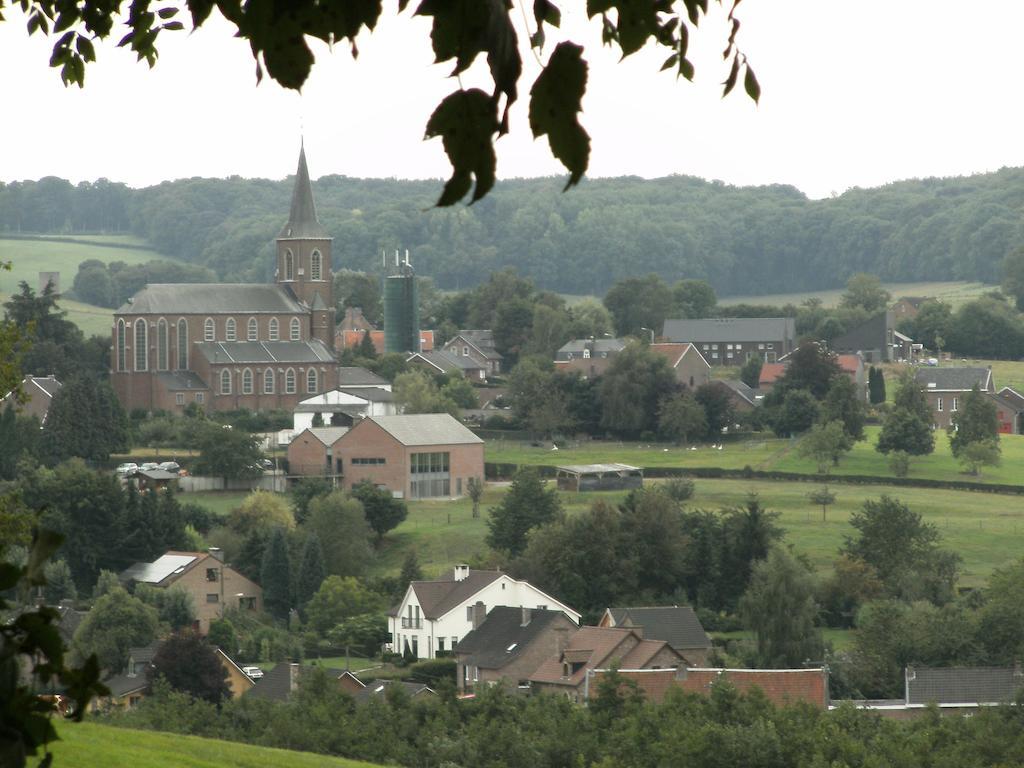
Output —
<point x="679" y="488"/>
<point x="433" y="671"/>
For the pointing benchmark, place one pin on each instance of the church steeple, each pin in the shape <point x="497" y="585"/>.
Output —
<point x="302" y="221"/>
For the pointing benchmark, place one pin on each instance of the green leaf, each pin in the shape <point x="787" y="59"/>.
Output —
<point x="84" y="46"/>
<point x="555" y="100"/>
<point x="466" y="121"/>
<point x="750" y="84"/>
<point x="670" y="62"/>
<point x="167" y="13"/>
<point x="730" y="81"/>
<point x="545" y="12"/>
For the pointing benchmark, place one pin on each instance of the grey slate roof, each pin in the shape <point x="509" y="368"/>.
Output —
<point x="596" y="347"/>
<point x="730" y="329"/>
<point x="377" y="688"/>
<point x="953" y="379"/>
<point x="354" y="376"/>
<point x="446" y="361"/>
<point x="176" y="381"/>
<point x="122" y="685"/>
<point x="210" y="299"/>
<point x="311" y="351"/>
<point x="502" y="637"/>
<point x="326" y="435"/>
<point x="482" y="339"/>
<point x="962" y="685"/>
<point x="302" y="220"/>
<point x="741" y="389"/>
<point x="425" y="429"/>
<point x="677" y="625"/>
<point x="372" y="394"/>
<point x="48" y="384"/>
<point x="1011" y="395"/>
<point x="436" y="598"/>
<point x="279" y="683"/>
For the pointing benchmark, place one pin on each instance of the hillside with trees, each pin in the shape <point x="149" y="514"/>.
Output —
<point x="578" y="242"/>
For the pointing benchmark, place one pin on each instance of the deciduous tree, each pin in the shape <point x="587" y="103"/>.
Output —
<point x="681" y="418"/>
<point x="383" y="511"/>
<point x="116" y="623"/>
<point x="190" y="665"/>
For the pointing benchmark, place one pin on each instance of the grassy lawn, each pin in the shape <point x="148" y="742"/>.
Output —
<point x="956" y="293"/>
<point x="218" y="502"/>
<point x="90" y="745"/>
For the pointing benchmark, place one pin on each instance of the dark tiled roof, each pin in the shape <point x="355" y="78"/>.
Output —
<point x="302" y="221"/>
<point x="483" y="340"/>
<point x="503" y="637"/>
<point x="311" y="351"/>
<point x="741" y="390"/>
<point x="48" y="384"/>
<point x="176" y="381"/>
<point x="677" y="625"/>
<point x="210" y="299"/>
<point x="445" y="361"/>
<point x="952" y="379"/>
<point x="122" y="685"/>
<point x="349" y="376"/>
<point x="596" y="346"/>
<point x="376" y="688"/>
<point x="436" y="598"/>
<point x="372" y="394"/>
<point x="731" y="329"/>
<point x="962" y="685"/>
<point x="1012" y="396"/>
<point x="279" y="683"/>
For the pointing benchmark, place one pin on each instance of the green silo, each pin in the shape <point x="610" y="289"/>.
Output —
<point x="401" y="313"/>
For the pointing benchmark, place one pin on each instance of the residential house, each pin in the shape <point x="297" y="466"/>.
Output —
<point x="686" y="362"/>
<point x="433" y="616"/>
<point x="907" y="307"/>
<point x="875" y="340"/>
<point x="350" y="339"/>
<point x="588" y="357"/>
<point x="781" y="687"/>
<point x="311" y="452"/>
<point x="677" y="625"/>
<point x="945" y="389"/>
<point x="744" y="398"/>
<point x="734" y="340"/>
<point x="477" y="345"/>
<point x="279" y="683"/>
<point x="441" y="361"/>
<point x="375" y="689"/>
<point x="853" y="366"/>
<point x="1009" y="407"/>
<point x="212" y="585"/>
<point x="770" y="373"/>
<point x="354" y="320"/>
<point x="238" y="682"/>
<point x="342" y="407"/>
<point x="38" y="392"/>
<point x="567" y="671"/>
<point x="129" y="686"/>
<point x="508" y="646"/>
<point x="354" y="377"/>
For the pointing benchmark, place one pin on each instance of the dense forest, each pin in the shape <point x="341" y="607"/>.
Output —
<point x="743" y="240"/>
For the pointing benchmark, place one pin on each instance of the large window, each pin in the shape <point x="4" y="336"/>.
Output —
<point x="141" y="345"/>
<point x="225" y="382"/>
<point x="246" y="382"/>
<point x="289" y="266"/>
<point x="429" y="475"/>
<point x="289" y="381"/>
<point x="274" y="335"/>
<point x="182" y="345"/>
<point x="311" y="381"/>
<point x="296" y="330"/>
<point x="162" y="353"/>
<point x="254" y="330"/>
<point x="229" y="330"/>
<point x="209" y="330"/>
<point x="268" y="381"/>
<point x="122" y="346"/>
<point x="316" y="262"/>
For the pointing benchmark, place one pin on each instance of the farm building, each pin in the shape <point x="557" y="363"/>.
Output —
<point x="599" y="477"/>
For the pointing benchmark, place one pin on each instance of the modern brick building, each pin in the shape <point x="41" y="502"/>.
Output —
<point x="228" y="346"/>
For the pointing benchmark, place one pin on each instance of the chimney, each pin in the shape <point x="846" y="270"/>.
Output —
<point x="461" y="572"/>
<point x="479" y="614"/>
<point x="561" y="640"/>
<point x="216" y="553"/>
<point x="527" y="615"/>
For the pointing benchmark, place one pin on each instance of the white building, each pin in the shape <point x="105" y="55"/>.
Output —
<point x="344" y="406"/>
<point x="434" y="615"/>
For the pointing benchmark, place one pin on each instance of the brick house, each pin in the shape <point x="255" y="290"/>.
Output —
<point x="588" y="357"/>
<point x="734" y="340"/>
<point x="945" y="389"/>
<point x="39" y="392"/>
<point x="478" y="346"/>
<point x="677" y="625"/>
<point x="508" y="645"/>
<point x="781" y="687"/>
<point x="434" y="616"/>
<point x="907" y="307"/>
<point x="567" y="671"/>
<point x="212" y="585"/>
<point x="228" y="346"/>
<point x="311" y="451"/>
<point x="440" y="361"/>
<point x="1009" y="407"/>
<point x="350" y="339"/>
<point x="686" y="361"/>
<point x="416" y="456"/>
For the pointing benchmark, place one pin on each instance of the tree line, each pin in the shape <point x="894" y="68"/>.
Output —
<point x="742" y="240"/>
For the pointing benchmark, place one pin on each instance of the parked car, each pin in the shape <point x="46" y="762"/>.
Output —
<point x="267" y="463"/>
<point x="149" y="465"/>
<point x="253" y="673"/>
<point x="169" y="466"/>
<point x="126" y="469"/>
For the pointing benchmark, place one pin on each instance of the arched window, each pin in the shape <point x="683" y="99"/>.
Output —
<point x="268" y="381"/>
<point x="229" y="329"/>
<point x="311" y="387"/>
<point x="182" y="344"/>
<point x="122" y="346"/>
<point x="296" y="330"/>
<point x="141" y="345"/>
<point x="225" y="382"/>
<point x="162" y="353"/>
<point x="289" y="265"/>
<point x="316" y="264"/>
<point x="209" y="330"/>
<point x="246" y="382"/>
<point x="254" y="330"/>
<point x="273" y="329"/>
<point x="289" y="381"/>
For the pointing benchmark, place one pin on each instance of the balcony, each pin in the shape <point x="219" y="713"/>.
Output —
<point x="411" y="623"/>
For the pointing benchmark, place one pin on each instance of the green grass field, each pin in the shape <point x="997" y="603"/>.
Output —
<point x="90" y="745"/>
<point x="955" y="293"/>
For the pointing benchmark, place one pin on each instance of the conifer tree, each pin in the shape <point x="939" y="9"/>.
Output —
<point x="311" y="570"/>
<point x="411" y="570"/>
<point x="276" y="576"/>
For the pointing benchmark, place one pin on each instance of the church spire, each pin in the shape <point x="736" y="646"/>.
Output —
<point x="302" y="222"/>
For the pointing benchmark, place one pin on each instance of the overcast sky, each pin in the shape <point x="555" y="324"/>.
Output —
<point x="854" y="93"/>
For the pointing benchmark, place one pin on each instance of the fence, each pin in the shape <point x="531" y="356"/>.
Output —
<point x="267" y="482"/>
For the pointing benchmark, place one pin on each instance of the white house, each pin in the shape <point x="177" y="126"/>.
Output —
<point x="344" y="406"/>
<point x="434" y="615"/>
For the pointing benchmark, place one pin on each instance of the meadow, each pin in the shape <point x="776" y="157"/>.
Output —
<point x="953" y="293"/>
<point x="90" y="745"/>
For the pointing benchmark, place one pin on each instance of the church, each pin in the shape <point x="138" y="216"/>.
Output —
<point x="235" y="345"/>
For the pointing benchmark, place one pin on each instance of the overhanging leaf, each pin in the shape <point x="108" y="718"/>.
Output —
<point x="466" y="121"/>
<point x="555" y="100"/>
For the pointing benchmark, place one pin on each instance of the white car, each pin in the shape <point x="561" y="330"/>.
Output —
<point x="129" y="468"/>
<point x="253" y="673"/>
